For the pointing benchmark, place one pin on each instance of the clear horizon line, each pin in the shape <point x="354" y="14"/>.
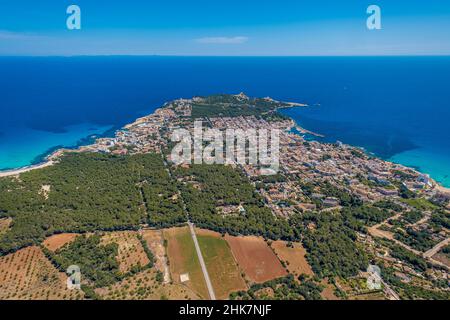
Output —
<point x="222" y="56"/>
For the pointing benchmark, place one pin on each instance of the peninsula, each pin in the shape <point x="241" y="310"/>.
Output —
<point x="317" y="224"/>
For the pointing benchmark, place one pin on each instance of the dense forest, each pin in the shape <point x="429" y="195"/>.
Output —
<point x="330" y="243"/>
<point x="205" y="187"/>
<point x="97" y="262"/>
<point x="286" y="288"/>
<point x="234" y="106"/>
<point x="358" y="217"/>
<point x="86" y="192"/>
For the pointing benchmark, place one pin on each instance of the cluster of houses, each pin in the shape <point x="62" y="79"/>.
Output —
<point x="369" y="178"/>
<point x="141" y="136"/>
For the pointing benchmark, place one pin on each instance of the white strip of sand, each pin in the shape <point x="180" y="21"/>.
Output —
<point x="15" y="172"/>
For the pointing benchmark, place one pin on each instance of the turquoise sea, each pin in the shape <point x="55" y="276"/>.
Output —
<point x="31" y="145"/>
<point x="395" y="107"/>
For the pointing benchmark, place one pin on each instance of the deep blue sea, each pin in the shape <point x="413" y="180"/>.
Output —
<point x="395" y="107"/>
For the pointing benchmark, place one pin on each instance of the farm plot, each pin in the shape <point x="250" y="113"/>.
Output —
<point x="222" y="268"/>
<point x="146" y="285"/>
<point x="328" y="290"/>
<point x="56" y="241"/>
<point x="293" y="257"/>
<point x="131" y="254"/>
<point x="255" y="257"/>
<point x="28" y="275"/>
<point x="183" y="261"/>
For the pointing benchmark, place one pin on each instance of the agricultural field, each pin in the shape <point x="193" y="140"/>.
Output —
<point x="183" y="260"/>
<point x="146" y="285"/>
<point x="130" y="251"/>
<point x="328" y="290"/>
<point x="222" y="268"/>
<point x="256" y="258"/>
<point x="28" y="275"/>
<point x="56" y="241"/>
<point x="293" y="257"/>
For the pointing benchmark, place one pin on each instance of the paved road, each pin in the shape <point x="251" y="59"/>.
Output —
<point x="212" y="296"/>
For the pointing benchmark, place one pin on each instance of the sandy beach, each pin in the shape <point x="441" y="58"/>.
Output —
<point x="442" y="189"/>
<point x="50" y="160"/>
<point x="15" y="172"/>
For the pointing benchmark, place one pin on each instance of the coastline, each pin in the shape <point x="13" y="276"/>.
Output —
<point x="15" y="172"/>
<point x="50" y="157"/>
<point x="437" y="185"/>
<point x="314" y="136"/>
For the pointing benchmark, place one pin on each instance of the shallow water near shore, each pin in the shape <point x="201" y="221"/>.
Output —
<point x="396" y="107"/>
<point x="29" y="147"/>
<point x="436" y="164"/>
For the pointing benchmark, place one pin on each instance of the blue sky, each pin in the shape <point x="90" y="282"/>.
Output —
<point x="215" y="27"/>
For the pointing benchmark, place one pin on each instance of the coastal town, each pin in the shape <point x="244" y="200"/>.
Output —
<point x="405" y="213"/>
<point x="370" y="178"/>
